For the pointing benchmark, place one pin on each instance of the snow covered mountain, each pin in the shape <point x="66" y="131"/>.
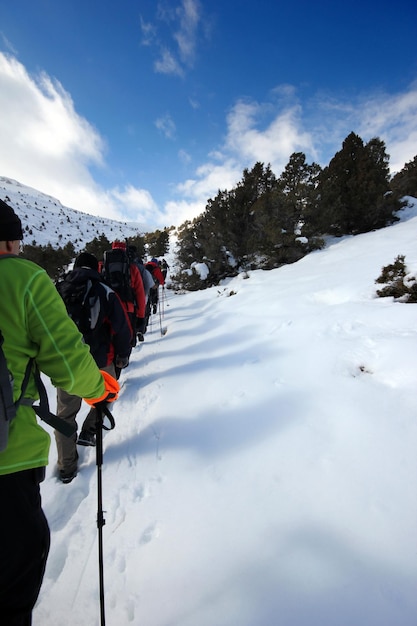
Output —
<point x="45" y="220"/>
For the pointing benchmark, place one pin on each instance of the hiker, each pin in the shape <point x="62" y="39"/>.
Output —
<point x="153" y="267"/>
<point x="147" y="279"/>
<point x="100" y="316"/>
<point x="35" y="324"/>
<point x="148" y="283"/>
<point x="164" y="268"/>
<point x="124" y="278"/>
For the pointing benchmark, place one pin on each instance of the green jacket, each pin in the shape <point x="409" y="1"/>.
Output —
<point x="35" y="324"/>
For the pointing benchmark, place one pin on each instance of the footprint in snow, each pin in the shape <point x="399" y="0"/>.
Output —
<point x="151" y="532"/>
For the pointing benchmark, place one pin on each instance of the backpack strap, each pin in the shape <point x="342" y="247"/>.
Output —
<point x="42" y="410"/>
<point x="8" y="407"/>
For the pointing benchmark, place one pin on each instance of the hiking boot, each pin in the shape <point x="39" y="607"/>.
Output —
<point x="66" y="477"/>
<point x="154" y="308"/>
<point x="86" y="438"/>
<point x="140" y="337"/>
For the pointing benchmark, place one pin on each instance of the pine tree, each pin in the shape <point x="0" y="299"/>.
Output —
<point x="98" y="246"/>
<point x="157" y="242"/>
<point x="53" y="260"/>
<point x="299" y="182"/>
<point x="255" y="183"/>
<point x="404" y="183"/>
<point x="275" y="236"/>
<point x="352" y="190"/>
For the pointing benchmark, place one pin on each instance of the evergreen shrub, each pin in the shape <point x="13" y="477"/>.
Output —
<point x="397" y="281"/>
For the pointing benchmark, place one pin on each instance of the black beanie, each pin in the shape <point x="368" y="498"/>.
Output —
<point x="10" y="224"/>
<point x="85" y="259"/>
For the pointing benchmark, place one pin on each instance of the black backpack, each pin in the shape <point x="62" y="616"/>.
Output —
<point x="116" y="273"/>
<point x="81" y="296"/>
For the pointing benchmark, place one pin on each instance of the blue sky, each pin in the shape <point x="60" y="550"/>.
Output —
<point x="142" y="110"/>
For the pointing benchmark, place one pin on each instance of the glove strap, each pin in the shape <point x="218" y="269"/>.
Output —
<point x="103" y="410"/>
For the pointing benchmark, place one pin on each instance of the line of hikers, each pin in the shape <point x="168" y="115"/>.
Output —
<point x="83" y="358"/>
<point x="110" y="302"/>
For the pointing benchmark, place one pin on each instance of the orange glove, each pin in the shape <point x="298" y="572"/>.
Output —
<point x="111" y="393"/>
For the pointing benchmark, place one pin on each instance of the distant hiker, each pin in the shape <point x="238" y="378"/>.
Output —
<point x="153" y="267"/>
<point x="147" y="279"/>
<point x="100" y="316"/>
<point x="148" y="283"/>
<point x="164" y="268"/>
<point x="124" y="278"/>
<point x="35" y="325"/>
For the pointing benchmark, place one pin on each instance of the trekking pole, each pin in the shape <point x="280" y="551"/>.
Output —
<point x="150" y="317"/>
<point x="160" y="318"/>
<point x="101" y="410"/>
<point x="163" y="330"/>
<point x="165" y="295"/>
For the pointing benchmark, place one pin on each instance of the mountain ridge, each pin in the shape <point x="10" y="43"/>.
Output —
<point x="43" y="218"/>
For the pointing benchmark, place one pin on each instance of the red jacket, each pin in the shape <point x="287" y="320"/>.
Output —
<point x="137" y="286"/>
<point x="155" y="270"/>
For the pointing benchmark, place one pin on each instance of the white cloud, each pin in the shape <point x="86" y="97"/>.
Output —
<point x="7" y="44"/>
<point x="39" y="116"/>
<point x="393" y="118"/>
<point x="210" y="178"/>
<point x="271" y="131"/>
<point x="246" y="142"/>
<point x="148" y="32"/>
<point x="177" y="212"/>
<point x="44" y="142"/>
<point x="194" y="103"/>
<point x="194" y="193"/>
<point x="48" y="146"/>
<point x="273" y="143"/>
<point x="137" y="203"/>
<point x="184" y="156"/>
<point x="178" y="50"/>
<point x="168" y="64"/>
<point x="166" y="125"/>
<point x="186" y="36"/>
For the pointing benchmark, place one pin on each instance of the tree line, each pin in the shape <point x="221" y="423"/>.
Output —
<point x="55" y="260"/>
<point x="267" y="221"/>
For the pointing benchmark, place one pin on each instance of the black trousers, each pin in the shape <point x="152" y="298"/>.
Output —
<point x="24" y="546"/>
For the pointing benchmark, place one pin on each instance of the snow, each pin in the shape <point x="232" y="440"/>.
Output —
<point x="201" y="269"/>
<point x="46" y="221"/>
<point x="263" y="467"/>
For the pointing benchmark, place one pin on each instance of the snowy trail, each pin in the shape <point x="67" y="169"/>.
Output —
<point x="263" y="461"/>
